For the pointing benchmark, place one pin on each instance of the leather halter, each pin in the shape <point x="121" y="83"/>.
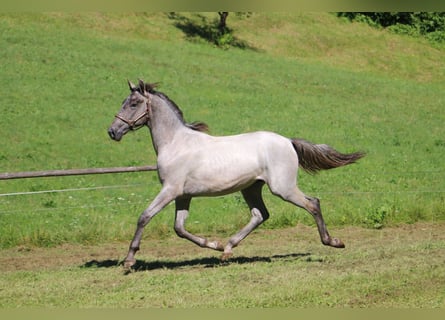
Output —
<point x="132" y="123"/>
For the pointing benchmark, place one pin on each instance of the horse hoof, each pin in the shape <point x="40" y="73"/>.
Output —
<point x="215" y="245"/>
<point x="219" y="246"/>
<point x="225" y="256"/>
<point x="337" y="243"/>
<point x="128" y="264"/>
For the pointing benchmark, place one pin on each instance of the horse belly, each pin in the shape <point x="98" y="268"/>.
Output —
<point x="222" y="174"/>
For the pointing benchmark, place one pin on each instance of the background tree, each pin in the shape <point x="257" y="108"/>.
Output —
<point x="222" y="26"/>
<point x="430" y="25"/>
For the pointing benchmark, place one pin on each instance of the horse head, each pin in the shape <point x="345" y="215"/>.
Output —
<point x="135" y="111"/>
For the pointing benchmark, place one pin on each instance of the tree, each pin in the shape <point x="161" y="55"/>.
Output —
<point x="222" y="26"/>
<point x="427" y="24"/>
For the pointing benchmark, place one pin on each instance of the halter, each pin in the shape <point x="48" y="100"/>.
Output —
<point x="131" y="123"/>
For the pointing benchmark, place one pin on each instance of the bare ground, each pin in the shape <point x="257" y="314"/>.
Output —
<point x="262" y="245"/>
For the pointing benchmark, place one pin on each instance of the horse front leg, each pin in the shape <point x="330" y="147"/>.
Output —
<point x="160" y="201"/>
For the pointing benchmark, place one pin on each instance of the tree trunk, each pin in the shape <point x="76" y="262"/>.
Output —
<point x="222" y="21"/>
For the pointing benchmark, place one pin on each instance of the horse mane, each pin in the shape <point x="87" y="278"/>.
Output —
<point x="149" y="87"/>
<point x="197" y="125"/>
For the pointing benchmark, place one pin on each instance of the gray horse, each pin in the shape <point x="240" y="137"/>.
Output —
<point x="193" y="163"/>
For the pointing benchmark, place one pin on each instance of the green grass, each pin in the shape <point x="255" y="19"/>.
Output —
<point x="305" y="75"/>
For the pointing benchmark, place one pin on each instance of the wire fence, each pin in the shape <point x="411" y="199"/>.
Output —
<point x="140" y="184"/>
<point x="137" y="185"/>
<point x="69" y="190"/>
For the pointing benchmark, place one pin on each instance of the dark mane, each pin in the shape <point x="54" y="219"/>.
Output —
<point x="197" y="125"/>
<point x="150" y="87"/>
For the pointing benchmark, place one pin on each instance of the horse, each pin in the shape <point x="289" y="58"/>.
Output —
<point x="192" y="163"/>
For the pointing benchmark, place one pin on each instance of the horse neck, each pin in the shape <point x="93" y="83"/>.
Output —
<point x="164" y="123"/>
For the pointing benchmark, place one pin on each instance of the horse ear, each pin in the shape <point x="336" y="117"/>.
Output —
<point x="141" y="86"/>
<point x="131" y="86"/>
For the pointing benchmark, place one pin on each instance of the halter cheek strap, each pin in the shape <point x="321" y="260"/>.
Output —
<point x="132" y="123"/>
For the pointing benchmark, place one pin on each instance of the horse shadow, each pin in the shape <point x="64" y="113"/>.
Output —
<point x="205" y="262"/>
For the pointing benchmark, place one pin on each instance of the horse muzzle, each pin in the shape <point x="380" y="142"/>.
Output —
<point x="114" y="134"/>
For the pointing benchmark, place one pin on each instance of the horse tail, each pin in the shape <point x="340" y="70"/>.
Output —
<point x="316" y="157"/>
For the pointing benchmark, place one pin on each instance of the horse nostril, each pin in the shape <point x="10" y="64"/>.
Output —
<point x="111" y="133"/>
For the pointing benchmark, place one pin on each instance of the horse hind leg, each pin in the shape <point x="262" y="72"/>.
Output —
<point x="254" y="199"/>
<point x="182" y="211"/>
<point x="312" y="205"/>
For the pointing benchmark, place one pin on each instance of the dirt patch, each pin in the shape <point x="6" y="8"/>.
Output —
<point x="262" y="244"/>
<point x="35" y="258"/>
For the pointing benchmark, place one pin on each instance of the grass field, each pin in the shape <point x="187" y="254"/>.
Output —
<point x="392" y="268"/>
<point x="309" y="75"/>
<point x="329" y="81"/>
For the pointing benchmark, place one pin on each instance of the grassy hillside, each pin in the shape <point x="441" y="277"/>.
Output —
<point x="308" y="75"/>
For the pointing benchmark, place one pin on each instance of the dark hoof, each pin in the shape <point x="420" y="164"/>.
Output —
<point x="336" y="243"/>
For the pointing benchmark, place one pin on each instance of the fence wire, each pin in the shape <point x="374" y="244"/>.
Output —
<point x="380" y="173"/>
<point x="136" y="185"/>
<point x="70" y="190"/>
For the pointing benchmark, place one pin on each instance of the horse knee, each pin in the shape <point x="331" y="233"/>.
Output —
<point x="143" y="221"/>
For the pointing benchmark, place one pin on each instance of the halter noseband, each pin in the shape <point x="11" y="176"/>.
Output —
<point x="131" y="123"/>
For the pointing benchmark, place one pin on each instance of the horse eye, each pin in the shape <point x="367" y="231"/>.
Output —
<point x="134" y="104"/>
